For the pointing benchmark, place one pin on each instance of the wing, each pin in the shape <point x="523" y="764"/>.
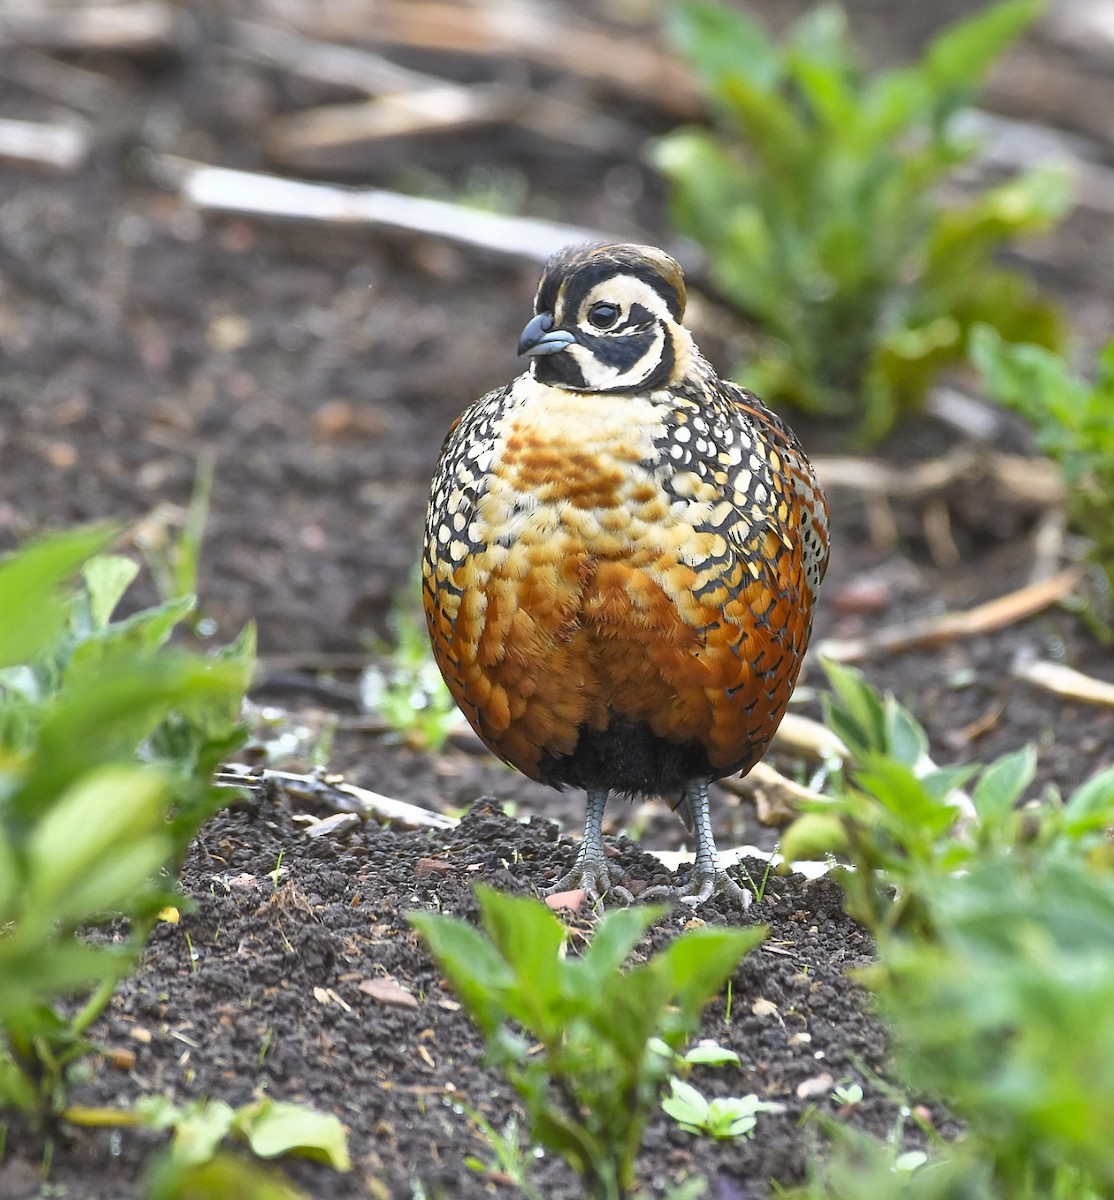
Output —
<point x="810" y="498"/>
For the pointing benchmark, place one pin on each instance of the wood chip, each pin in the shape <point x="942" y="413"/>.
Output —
<point x="432" y="866"/>
<point x="818" y="1085"/>
<point x="763" y="1008"/>
<point x="386" y="991"/>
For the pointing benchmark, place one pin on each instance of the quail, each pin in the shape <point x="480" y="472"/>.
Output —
<point x="622" y="556"/>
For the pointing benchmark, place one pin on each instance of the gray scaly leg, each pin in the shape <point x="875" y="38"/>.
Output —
<point x="591" y="870"/>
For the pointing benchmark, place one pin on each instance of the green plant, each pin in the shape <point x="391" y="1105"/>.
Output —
<point x="815" y="195"/>
<point x="1008" y="1013"/>
<point x="196" y="1164"/>
<point x="108" y="743"/>
<point x="1072" y="420"/>
<point x="993" y="930"/>
<point x="901" y="823"/>
<point x="720" y="1118"/>
<point x="593" y="1078"/>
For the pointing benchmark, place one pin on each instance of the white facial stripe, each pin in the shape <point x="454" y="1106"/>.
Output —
<point x="625" y="290"/>
<point x="600" y="376"/>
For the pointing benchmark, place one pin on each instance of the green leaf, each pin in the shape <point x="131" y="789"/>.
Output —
<point x="1003" y="783"/>
<point x="31" y="590"/>
<point x="618" y="932"/>
<point x="529" y="938"/>
<point x="225" y="1176"/>
<point x="273" y="1128"/>
<point x="1091" y="806"/>
<point x="199" y="1130"/>
<point x="479" y="974"/>
<point x="959" y="57"/>
<point x="722" y="44"/>
<point x="108" y="811"/>
<point x="712" y="1055"/>
<point x="107" y="577"/>
<point x="700" y="963"/>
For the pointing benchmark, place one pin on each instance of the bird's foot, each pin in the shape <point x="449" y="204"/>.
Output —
<point x="702" y="885"/>
<point x="596" y="876"/>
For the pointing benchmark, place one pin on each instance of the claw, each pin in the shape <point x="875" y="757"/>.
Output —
<point x="595" y="875"/>
<point x="701" y="886"/>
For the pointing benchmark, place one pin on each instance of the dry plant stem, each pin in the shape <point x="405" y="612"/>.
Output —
<point x="553" y="39"/>
<point x="218" y="189"/>
<point x="1067" y="682"/>
<point x="1035" y="482"/>
<point x="777" y="799"/>
<point x="326" y="62"/>
<point x="803" y="735"/>
<point x="59" y="81"/>
<point x="59" y="148"/>
<point x="333" y="791"/>
<point x="142" y="28"/>
<point x="299" y="139"/>
<point x="938" y="631"/>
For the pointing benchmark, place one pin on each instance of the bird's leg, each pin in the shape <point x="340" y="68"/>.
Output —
<point x="706" y="878"/>
<point x="591" y="870"/>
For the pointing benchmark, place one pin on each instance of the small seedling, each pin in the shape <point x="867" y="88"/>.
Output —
<point x="721" y="1118"/>
<point x="575" y="1034"/>
<point x="759" y="889"/>
<point x="847" y="1095"/>
<point x="275" y="875"/>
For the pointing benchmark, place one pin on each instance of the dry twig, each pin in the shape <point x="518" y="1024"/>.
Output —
<point x="1066" y="682"/>
<point x="331" y="791"/>
<point x="937" y="631"/>
<point x="218" y="189"/>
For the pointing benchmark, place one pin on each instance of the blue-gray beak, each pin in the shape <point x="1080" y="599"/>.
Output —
<point x="539" y="337"/>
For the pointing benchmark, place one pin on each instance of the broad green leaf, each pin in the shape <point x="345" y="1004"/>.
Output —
<point x="959" y="57"/>
<point x="478" y="973"/>
<point x="199" y="1130"/>
<point x="722" y="44"/>
<point x="530" y="938"/>
<point x="618" y="932"/>
<point x="273" y="1128"/>
<point x="1003" y="783"/>
<point x="113" y="712"/>
<point x="107" y="577"/>
<point x="107" y="812"/>
<point x="856" y="713"/>
<point x="905" y="739"/>
<point x="224" y="1176"/>
<point x="1091" y="806"/>
<point x="813" y="837"/>
<point x="700" y="963"/>
<point x="31" y="590"/>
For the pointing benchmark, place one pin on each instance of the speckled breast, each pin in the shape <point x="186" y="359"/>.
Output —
<point x="614" y="584"/>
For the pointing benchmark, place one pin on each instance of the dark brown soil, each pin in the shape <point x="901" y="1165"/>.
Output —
<point x="321" y="368"/>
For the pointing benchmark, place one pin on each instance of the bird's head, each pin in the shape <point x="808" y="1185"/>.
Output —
<point x="609" y="320"/>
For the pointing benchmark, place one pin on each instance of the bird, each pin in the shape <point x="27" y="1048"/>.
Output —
<point x="622" y="556"/>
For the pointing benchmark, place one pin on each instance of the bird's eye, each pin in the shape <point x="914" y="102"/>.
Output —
<point x="603" y="315"/>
